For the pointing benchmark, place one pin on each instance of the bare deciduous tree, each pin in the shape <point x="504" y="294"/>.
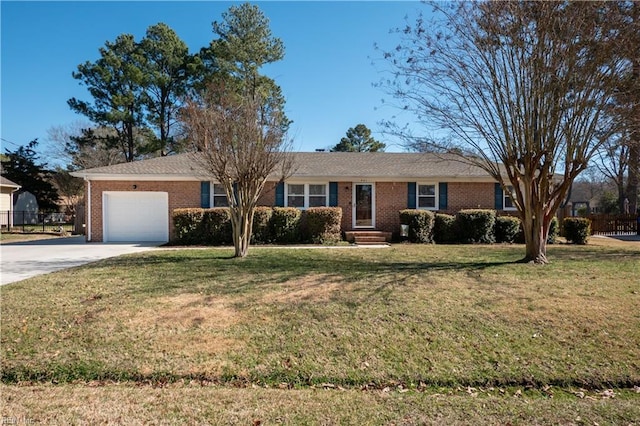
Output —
<point x="522" y="87"/>
<point x="83" y="147"/>
<point x="241" y="141"/>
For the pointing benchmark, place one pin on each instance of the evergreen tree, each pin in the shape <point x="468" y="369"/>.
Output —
<point x="22" y="166"/>
<point x="359" y="139"/>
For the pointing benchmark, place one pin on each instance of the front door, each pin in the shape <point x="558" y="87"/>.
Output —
<point x="363" y="205"/>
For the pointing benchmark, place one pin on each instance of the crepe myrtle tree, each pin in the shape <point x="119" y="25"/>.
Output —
<point x="521" y="87"/>
<point x="240" y="141"/>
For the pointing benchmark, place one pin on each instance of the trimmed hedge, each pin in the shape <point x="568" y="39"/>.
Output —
<point x="203" y="226"/>
<point x="323" y="224"/>
<point x="445" y="229"/>
<point x="282" y="225"/>
<point x="576" y="229"/>
<point x="262" y="225"/>
<point x="476" y="226"/>
<point x="285" y="225"/>
<point x="187" y="223"/>
<point x="420" y="224"/>
<point x="216" y="226"/>
<point x="507" y="229"/>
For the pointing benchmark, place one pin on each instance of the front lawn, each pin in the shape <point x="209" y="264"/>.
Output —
<point x="412" y="332"/>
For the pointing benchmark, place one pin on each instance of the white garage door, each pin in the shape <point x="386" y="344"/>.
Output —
<point x="135" y="216"/>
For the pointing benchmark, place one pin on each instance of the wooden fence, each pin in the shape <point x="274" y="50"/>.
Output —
<point x="614" y="224"/>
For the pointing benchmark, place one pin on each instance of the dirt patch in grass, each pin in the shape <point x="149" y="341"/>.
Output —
<point x="310" y="288"/>
<point x="187" y="325"/>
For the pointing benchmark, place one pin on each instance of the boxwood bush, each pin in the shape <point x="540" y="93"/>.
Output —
<point x="444" y="229"/>
<point x="420" y="224"/>
<point x="216" y="226"/>
<point x="554" y="230"/>
<point x="322" y="224"/>
<point x="285" y="225"/>
<point x="187" y="225"/>
<point x="476" y="226"/>
<point x="262" y="225"/>
<point x="507" y="229"/>
<point x="576" y="229"/>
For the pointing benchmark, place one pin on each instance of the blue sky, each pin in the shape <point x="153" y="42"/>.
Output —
<point x="326" y="75"/>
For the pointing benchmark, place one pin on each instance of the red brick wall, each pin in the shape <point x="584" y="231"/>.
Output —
<point x="268" y="196"/>
<point x="391" y="197"/>
<point x="470" y="195"/>
<point x="181" y="195"/>
<point x="345" y="193"/>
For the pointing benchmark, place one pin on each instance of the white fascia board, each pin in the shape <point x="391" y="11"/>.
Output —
<point x="15" y="187"/>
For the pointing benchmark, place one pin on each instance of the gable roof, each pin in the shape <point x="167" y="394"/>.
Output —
<point x="335" y="166"/>
<point x="7" y="183"/>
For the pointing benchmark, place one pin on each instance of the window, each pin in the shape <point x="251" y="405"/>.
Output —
<point x="304" y="195"/>
<point x="507" y="201"/>
<point x="219" y="196"/>
<point x="317" y="195"/>
<point x="295" y="195"/>
<point x="427" y="196"/>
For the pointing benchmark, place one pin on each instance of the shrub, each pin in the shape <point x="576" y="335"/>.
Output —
<point x="553" y="231"/>
<point x="187" y="223"/>
<point x="262" y="225"/>
<point x="323" y="224"/>
<point x="507" y="229"/>
<point x="576" y="229"/>
<point x="476" y="226"/>
<point x="420" y="225"/>
<point x="216" y="226"/>
<point x="285" y="225"/>
<point x="444" y="228"/>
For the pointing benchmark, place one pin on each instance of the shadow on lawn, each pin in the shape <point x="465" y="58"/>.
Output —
<point x="215" y="272"/>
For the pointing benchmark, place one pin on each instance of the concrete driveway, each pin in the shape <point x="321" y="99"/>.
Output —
<point x="23" y="260"/>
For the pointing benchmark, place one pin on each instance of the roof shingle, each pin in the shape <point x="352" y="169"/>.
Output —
<point x="308" y="165"/>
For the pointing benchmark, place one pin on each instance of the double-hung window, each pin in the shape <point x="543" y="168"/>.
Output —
<point x="507" y="200"/>
<point x="219" y="196"/>
<point x="427" y="197"/>
<point x="305" y="195"/>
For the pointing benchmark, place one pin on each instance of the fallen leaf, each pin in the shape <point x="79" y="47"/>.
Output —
<point x="608" y="393"/>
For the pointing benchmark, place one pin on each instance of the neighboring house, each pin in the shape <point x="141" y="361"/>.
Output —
<point x="7" y="188"/>
<point x="134" y="201"/>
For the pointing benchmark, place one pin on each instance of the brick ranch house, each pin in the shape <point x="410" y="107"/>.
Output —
<point x="134" y="201"/>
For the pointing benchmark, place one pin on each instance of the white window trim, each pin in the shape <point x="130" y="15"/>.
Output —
<point x="306" y="193"/>
<point x="437" y="196"/>
<point x="506" y="194"/>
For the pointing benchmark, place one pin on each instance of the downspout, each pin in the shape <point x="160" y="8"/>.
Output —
<point x="88" y="209"/>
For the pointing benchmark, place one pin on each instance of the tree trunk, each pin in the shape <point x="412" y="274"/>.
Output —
<point x="634" y="175"/>
<point x="242" y="224"/>
<point x="536" y="232"/>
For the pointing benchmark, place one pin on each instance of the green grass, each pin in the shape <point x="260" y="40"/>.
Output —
<point x="18" y="237"/>
<point x="427" y="319"/>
